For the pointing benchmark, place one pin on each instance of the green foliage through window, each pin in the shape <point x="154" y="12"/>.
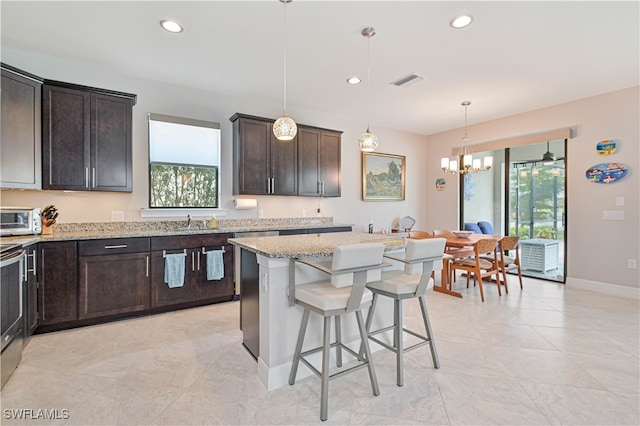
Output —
<point x="180" y="185"/>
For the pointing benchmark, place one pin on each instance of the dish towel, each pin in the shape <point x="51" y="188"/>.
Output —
<point x="174" y="270"/>
<point x="215" y="265"/>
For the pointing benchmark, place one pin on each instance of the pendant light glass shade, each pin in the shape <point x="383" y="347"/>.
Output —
<point x="285" y="129"/>
<point x="368" y="142"/>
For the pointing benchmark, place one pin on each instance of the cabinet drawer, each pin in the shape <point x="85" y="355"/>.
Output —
<point x="189" y="241"/>
<point x="113" y="246"/>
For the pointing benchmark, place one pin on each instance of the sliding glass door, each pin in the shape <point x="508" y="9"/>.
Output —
<point x="524" y="195"/>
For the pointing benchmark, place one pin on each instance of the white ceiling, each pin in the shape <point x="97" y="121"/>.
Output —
<point x="515" y="57"/>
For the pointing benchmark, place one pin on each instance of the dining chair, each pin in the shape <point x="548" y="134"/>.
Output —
<point x="456" y="253"/>
<point x="480" y="266"/>
<point x="400" y="285"/>
<point x="332" y="298"/>
<point x="510" y="262"/>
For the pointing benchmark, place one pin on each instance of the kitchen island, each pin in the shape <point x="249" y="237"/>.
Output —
<point x="269" y="290"/>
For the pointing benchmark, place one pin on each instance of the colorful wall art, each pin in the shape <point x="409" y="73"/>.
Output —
<point x="606" y="147"/>
<point x="440" y="184"/>
<point x="606" y="172"/>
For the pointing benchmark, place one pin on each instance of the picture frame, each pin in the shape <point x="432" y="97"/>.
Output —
<point x="383" y="176"/>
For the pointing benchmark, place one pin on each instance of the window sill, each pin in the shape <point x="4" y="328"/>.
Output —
<point x="182" y="213"/>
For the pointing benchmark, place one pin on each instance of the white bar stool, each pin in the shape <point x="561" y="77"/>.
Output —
<point x="344" y="293"/>
<point x="400" y="285"/>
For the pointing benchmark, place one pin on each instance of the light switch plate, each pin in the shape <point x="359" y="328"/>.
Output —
<point x="619" y="201"/>
<point x="117" y="216"/>
<point x="613" y="214"/>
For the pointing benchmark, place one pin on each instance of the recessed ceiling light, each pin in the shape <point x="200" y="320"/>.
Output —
<point x="354" y="80"/>
<point x="171" y="26"/>
<point x="461" y="21"/>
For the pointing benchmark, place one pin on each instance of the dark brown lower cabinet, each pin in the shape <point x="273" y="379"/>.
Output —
<point x="196" y="287"/>
<point x="113" y="284"/>
<point x="58" y="282"/>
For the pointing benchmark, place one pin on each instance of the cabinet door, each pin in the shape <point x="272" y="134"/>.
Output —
<point x="161" y="293"/>
<point x="213" y="289"/>
<point x="308" y="173"/>
<point x="329" y="163"/>
<point x="58" y="282"/>
<point x="111" y="157"/>
<point x="113" y="284"/>
<point x="284" y="166"/>
<point x="21" y="140"/>
<point x="65" y="138"/>
<point x="251" y="149"/>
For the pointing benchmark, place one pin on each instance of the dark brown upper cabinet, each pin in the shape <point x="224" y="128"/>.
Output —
<point x="318" y="162"/>
<point x="21" y="140"/>
<point x="262" y="164"/>
<point x="86" y="138"/>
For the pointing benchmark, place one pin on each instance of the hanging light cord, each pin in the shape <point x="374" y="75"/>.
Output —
<point x="284" y="42"/>
<point x="368" y="81"/>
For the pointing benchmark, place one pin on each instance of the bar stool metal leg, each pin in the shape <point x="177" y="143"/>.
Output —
<point x="398" y="314"/>
<point x="296" y="354"/>
<point x="338" y="342"/>
<point x="367" y="352"/>
<point x="324" y="378"/>
<point x="427" y="325"/>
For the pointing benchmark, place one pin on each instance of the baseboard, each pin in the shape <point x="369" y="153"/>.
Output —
<point x="600" y="287"/>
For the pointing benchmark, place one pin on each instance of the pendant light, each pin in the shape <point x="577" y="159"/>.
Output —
<point x="285" y="128"/>
<point x="368" y="142"/>
<point x="465" y="156"/>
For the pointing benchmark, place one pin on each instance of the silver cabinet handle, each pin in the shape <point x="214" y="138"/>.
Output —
<point x="322" y="188"/>
<point x="273" y="185"/>
<point x="34" y="255"/>
<point x="86" y="177"/>
<point x="198" y="260"/>
<point x="119" y="246"/>
<point x="193" y="262"/>
<point x="93" y="177"/>
<point x="147" y="266"/>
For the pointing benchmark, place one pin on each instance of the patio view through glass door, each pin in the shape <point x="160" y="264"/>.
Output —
<point x="523" y="195"/>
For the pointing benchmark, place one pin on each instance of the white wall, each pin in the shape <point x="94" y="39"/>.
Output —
<point x="597" y="250"/>
<point x="179" y="101"/>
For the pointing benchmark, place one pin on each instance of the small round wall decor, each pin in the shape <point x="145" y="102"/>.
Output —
<point x="606" y="172"/>
<point x="440" y="184"/>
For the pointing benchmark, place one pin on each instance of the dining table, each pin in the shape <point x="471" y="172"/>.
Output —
<point x="453" y="242"/>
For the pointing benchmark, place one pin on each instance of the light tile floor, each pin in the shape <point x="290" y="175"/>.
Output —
<point x="543" y="355"/>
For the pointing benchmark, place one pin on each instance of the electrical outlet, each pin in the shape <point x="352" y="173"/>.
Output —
<point x="117" y="216"/>
<point x="613" y="215"/>
<point x="632" y="264"/>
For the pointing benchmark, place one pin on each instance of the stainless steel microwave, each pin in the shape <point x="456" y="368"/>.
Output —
<point x="19" y="221"/>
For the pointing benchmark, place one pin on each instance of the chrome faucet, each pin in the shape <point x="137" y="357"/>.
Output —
<point x="188" y="221"/>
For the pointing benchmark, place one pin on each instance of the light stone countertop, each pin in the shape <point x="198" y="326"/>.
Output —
<point x="309" y="245"/>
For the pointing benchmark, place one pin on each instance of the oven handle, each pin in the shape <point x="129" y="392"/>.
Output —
<point x="12" y="258"/>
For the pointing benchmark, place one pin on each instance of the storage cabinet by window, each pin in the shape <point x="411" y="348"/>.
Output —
<point x="114" y="277"/>
<point x="318" y="162"/>
<point x="262" y="164"/>
<point x="21" y="139"/>
<point x="86" y="138"/>
<point x="58" y="282"/>
<point x="196" y="287"/>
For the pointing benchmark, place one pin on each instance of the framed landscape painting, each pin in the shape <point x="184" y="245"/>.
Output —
<point x="383" y="177"/>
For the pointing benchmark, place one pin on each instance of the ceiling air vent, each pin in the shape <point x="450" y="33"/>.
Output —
<point x="407" y="80"/>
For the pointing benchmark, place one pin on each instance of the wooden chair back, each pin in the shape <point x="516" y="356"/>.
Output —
<point x="420" y="234"/>
<point x="508" y="243"/>
<point x="485" y="246"/>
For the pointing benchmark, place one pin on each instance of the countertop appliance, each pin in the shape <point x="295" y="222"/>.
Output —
<point x="20" y="221"/>
<point x="12" y="264"/>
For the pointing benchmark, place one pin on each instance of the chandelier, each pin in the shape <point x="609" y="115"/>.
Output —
<point x="285" y="128"/>
<point x="368" y="142"/>
<point x="465" y="156"/>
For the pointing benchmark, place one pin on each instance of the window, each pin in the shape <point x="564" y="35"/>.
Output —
<point x="184" y="162"/>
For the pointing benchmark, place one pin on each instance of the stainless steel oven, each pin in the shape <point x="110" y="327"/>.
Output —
<point x="12" y="261"/>
<point x="20" y="221"/>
